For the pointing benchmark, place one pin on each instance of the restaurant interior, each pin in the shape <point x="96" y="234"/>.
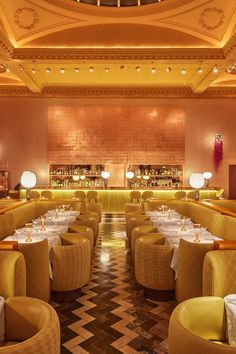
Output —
<point x="117" y="176"/>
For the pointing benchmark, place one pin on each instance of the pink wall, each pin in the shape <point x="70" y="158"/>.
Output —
<point x="23" y="132"/>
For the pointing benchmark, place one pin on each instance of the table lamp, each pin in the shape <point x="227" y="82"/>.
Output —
<point x="196" y="181"/>
<point x="105" y="175"/>
<point x="28" y="180"/>
<point x="207" y="176"/>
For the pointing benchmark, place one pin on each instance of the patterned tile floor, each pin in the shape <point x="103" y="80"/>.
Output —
<point x="112" y="315"/>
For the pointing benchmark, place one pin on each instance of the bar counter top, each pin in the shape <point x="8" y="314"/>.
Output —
<point x="114" y="200"/>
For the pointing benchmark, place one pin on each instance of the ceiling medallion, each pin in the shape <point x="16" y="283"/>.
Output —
<point x="26" y="18"/>
<point x="119" y="3"/>
<point x="211" y="18"/>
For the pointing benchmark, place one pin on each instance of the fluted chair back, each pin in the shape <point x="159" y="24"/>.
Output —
<point x="147" y="195"/>
<point x="92" y="196"/>
<point x="135" y="196"/>
<point x="34" y="194"/>
<point x="180" y="195"/>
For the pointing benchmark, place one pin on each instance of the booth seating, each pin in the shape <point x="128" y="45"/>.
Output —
<point x="198" y="326"/>
<point x="190" y="269"/>
<point x="138" y="232"/>
<point x="37" y="269"/>
<point x="71" y="263"/>
<point x="219" y="273"/>
<point x="31" y="326"/>
<point x="152" y="267"/>
<point x="12" y="274"/>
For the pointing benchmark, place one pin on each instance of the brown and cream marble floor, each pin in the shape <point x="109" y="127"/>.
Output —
<point x="112" y="315"/>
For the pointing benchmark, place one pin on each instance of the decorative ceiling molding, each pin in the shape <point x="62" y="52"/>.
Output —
<point x="26" y="18"/>
<point x="119" y="54"/>
<point x="212" y="18"/>
<point x="118" y="92"/>
<point x="6" y="48"/>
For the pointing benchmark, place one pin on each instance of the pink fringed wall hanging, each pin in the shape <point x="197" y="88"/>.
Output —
<point x="218" y="151"/>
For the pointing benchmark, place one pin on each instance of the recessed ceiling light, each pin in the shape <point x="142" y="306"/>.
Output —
<point x="168" y="69"/>
<point x="137" y="68"/>
<point x="33" y="71"/>
<point x="184" y="71"/>
<point x="91" y="69"/>
<point x="21" y="68"/>
<point x="48" y="70"/>
<point x="153" y="70"/>
<point x="215" y="70"/>
<point x="107" y="68"/>
<point x="199" y="70"/>
<point x="229" y="70"/>
<point x="7" y="70"/>
<point x="76" y="70"/>
<point x="62" y="70"/>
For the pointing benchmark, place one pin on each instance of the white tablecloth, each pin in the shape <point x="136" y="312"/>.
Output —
<point x="230" y="307"/>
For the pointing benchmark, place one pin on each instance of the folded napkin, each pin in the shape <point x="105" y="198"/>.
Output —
<point x="2" y="319"/>
<point x="230" y="307"/>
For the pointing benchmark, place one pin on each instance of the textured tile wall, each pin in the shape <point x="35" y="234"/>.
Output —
<point x="116" y="134"/>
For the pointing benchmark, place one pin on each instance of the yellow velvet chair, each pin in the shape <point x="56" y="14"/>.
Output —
<point x="34" y="195"/>
<point x="136" y="221"/>
<point x="219" y="273"/>
<point x="47" y="195"/>
<point x="37" y="269"/>
<point x="71" y="238"/>
<point x="95" y="207"/>
<point x="135" y="195"/>
<point x="129" y="208"/>
<point x="92" y="196"/>
<point x="34" y="324"/>
<point x="190" y="269"/>
<point x="180" y="195"/>
<point x="71" y="264"/>
<point x="81" y="197"/>
<point x="7" y="226"/>
<point x="152" y="267"/>
<point x="86" y="220"/>
<point x="191" y="195"/>
<point x="147" y="195"/>
<point x="139" y="231"/>
<point x="198" y="326"/>
<point x="12" y="274"/>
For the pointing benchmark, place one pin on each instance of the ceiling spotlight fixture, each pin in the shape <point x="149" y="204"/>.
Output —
<point x="215" y="70"/>
<point x="33" y="71"/>
<point x="21" y="68"/>
<point x="48" y="70"/>
<point x="107" y="68"/>
<point x="168" y="69"/>
<point x="91" y="69"/>
<point x="62" y="71"/>
<point x="122" y="67"/>
<point x="184" y="71"/>
<point x="137" y="68"/>
<point x="76" y="70"/>
<point x="199" y="70"/>
<point x="153" y="70"/>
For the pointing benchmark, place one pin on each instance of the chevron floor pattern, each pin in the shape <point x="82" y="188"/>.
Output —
<point x="112" y="316"/>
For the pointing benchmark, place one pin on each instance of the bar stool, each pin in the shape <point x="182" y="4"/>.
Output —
<point x="81" y="196"/>
<point x="147" y="195"/>
<point x="135" y="195"/>
<point x="180" y="195"/>
<point x="47" y="195"/>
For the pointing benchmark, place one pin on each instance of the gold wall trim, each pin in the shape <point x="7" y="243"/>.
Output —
<point x="118" y="92"/>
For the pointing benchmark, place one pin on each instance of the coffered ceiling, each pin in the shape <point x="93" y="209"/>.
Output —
<point x="63" y="48"/>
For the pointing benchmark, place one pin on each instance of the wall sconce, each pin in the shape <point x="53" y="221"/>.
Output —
<point x="105" y="175"/>
<point x="28" y="180"/>
<point x="207" y="176"/>
<point x="196" y="181"/>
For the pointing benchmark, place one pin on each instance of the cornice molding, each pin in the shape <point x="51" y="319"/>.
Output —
<point x="118" y="92"/>
<point x="6" y="48"/>
<point x="119" y="54"/>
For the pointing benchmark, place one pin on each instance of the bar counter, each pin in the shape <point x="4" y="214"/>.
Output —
<point x="114" y="200"/>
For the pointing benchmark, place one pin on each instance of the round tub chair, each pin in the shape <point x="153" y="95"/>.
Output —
<point x="147" y="195"/>
<point x="191" y="195"/>
<point x="136" y="221"/>
<point x="37" y="269"/>
<point x="133" y="214"/>
<point x="71" y="238"/>
<point x="92" y="196"/>
<point x="47" y="195"/>
<point x="153" y="267"/>
<point x="219" y="273"/>
<point x="31" y="326"/>
<point x="97" y="208"/>
<point x="34" y="195"/>
<point x="12" y="274"/>
<point x="129" y="208"/>
<point x="89" y="221"/>
<point x="180" y="195"/>
<point x="81" y="197"/>
<point x="139" y="231"/>
<point x="71" y="265"/>
<point x="135" y="196"/>
<point x="198" y="326"/>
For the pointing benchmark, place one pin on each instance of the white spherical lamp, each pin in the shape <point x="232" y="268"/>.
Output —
<point x="105" y="174"/>
<point x="130" y="174"/>
<point x="196" y="181"/>
<point x="28" y="180"/>
<point x="207" y="176"/>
